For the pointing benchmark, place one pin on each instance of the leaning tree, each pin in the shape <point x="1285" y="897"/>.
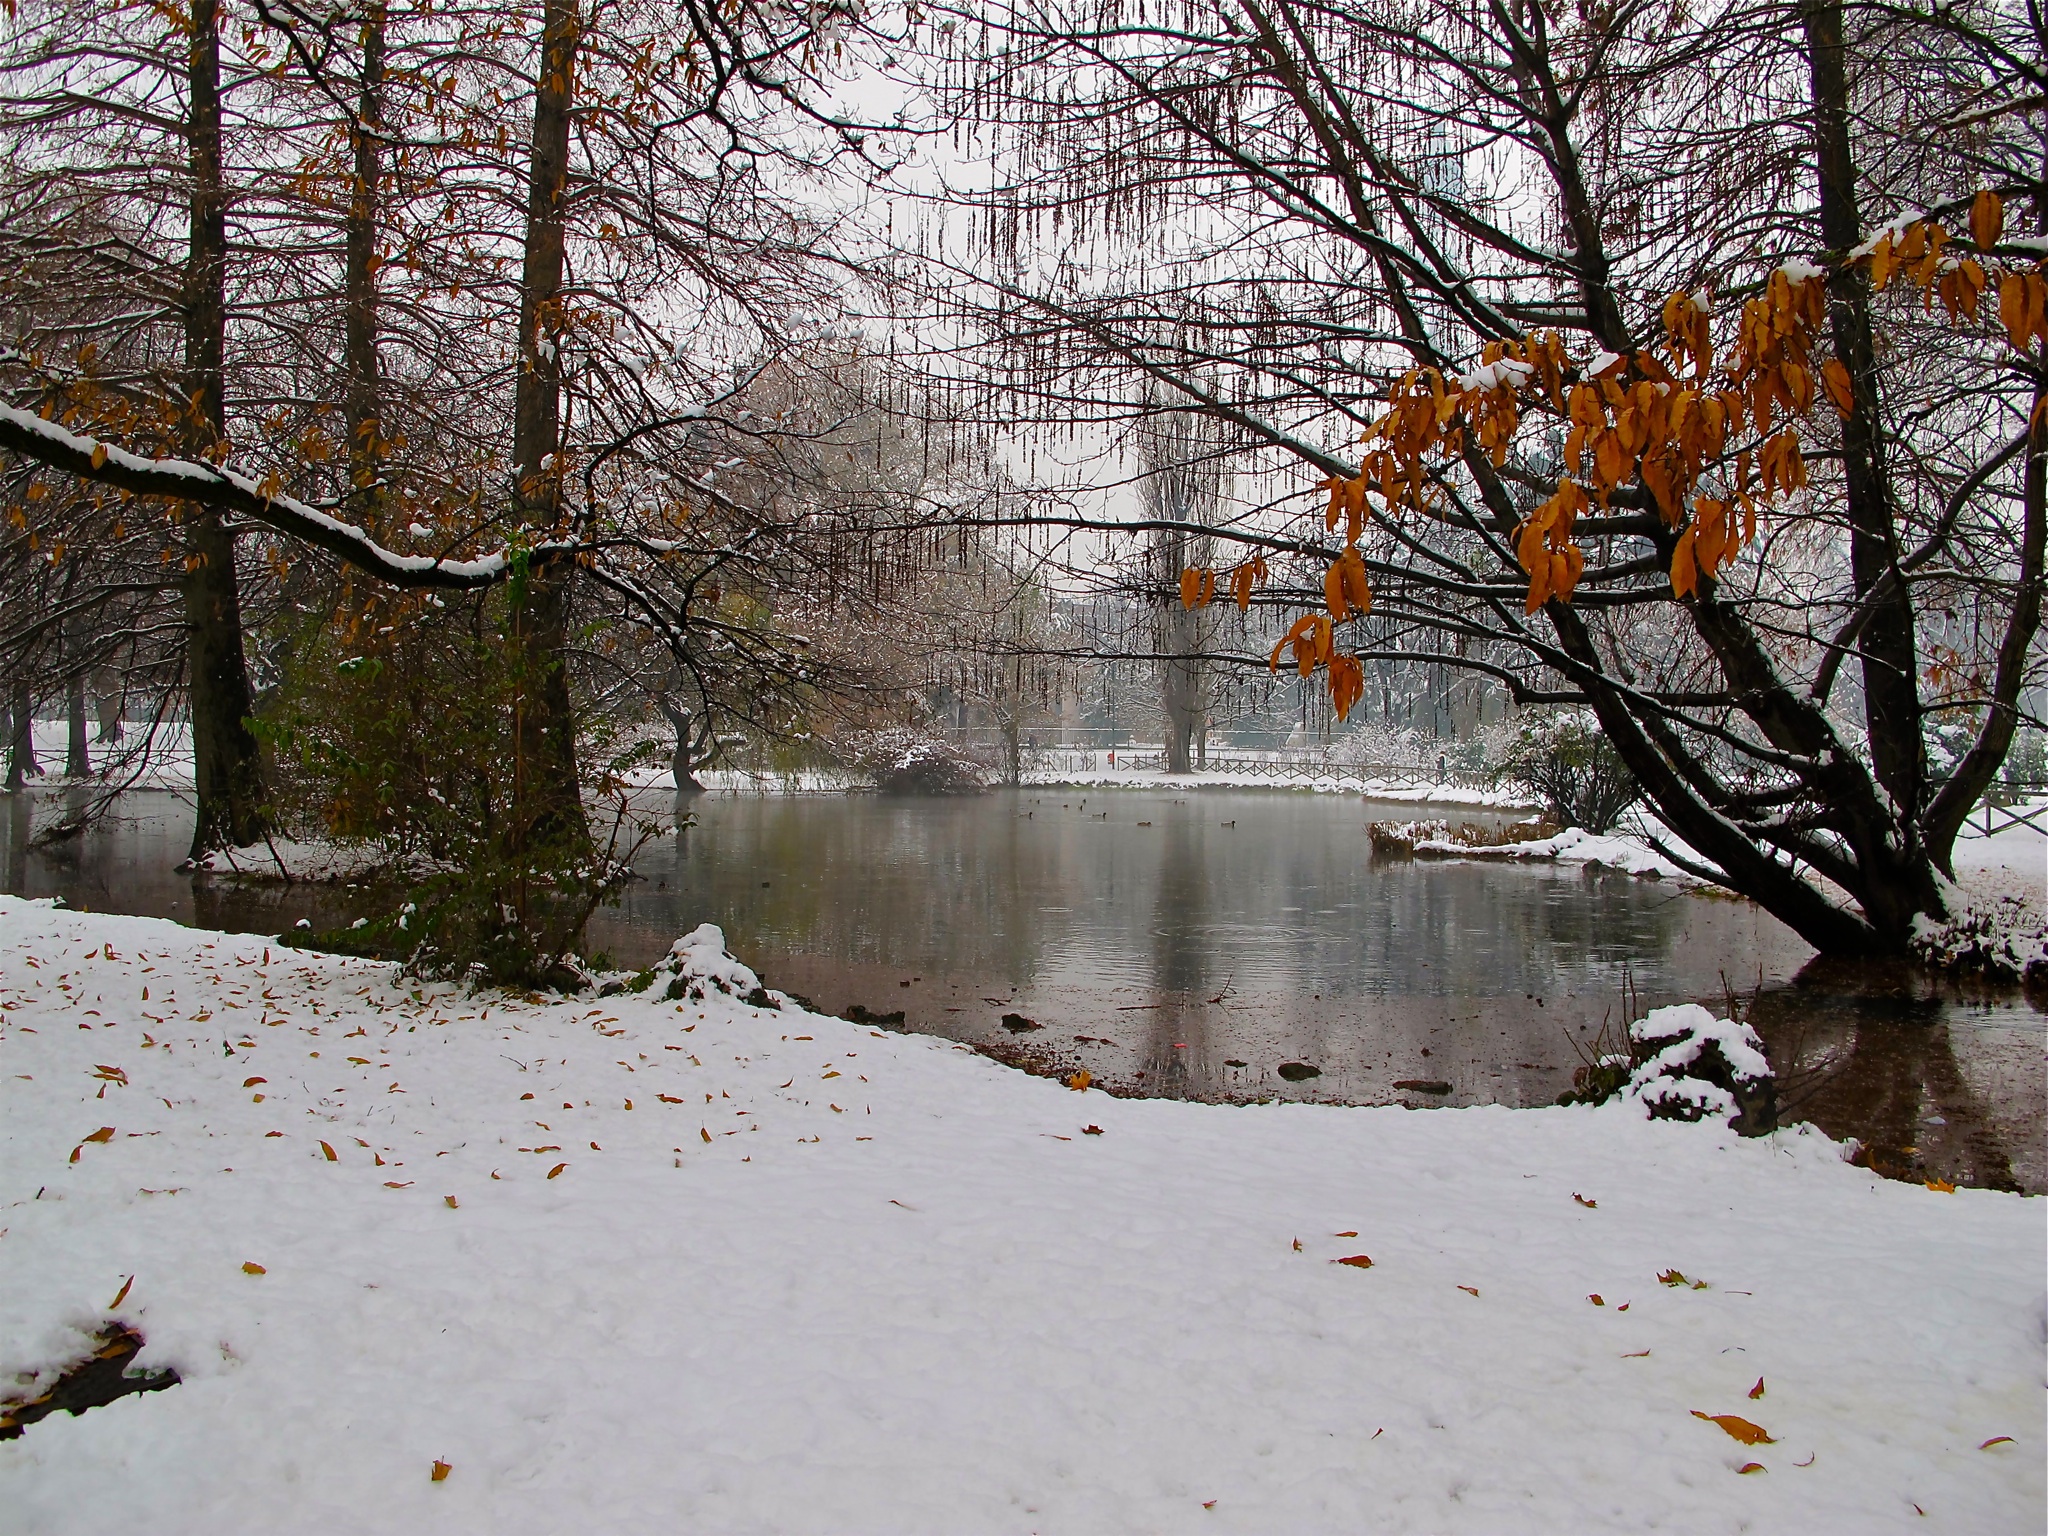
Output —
<point x="1686" y="363"/>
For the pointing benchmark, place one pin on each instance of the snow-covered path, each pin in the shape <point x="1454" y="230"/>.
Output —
<point x="733" y="1270"/>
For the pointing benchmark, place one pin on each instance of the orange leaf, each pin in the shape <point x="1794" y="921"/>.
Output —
<point x="1356" y="1261"/>
<point x="1190" y="587"/>
<point x="103" y="1134"/>
<point x="1469" y="1290"/>
<point x="330" y="1152"/>
<point x="1080" y="1080"/>
<point x="668" y="1098"/>
<point x="701" y="1131"/>
<point x="441" y="1471"/>
<point x="1834" y="378"/>
<point x="251" y="1082"/>
<point x="554" y="1171"/>
<point x="1941" y="1186"/>
<point x="1591" y="1205"/>
<point x="1987" y="219"/>
<point x="1344" y="1234"/>
<point x="1757" y="1391"/>
<point x="1739" y="1428"/>
<point x="1752" y="1466"/>
<point x="250" y="1267"/>
<point x="122" y="1294"/>
<point x="1597" y="1299"/>
<point x="1997" y="1440"/>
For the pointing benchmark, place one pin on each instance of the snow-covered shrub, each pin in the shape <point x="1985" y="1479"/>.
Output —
<point x="1565" y="760"/>
<point x="2002" y="936"/>
<point x="698" y="964"/>
<point x="1682" y="1063"/>
<point x="1686" y="1065"/>
<point x="903" y="760"/>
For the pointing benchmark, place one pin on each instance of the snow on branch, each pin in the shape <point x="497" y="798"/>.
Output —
<point x="48" y="443"/>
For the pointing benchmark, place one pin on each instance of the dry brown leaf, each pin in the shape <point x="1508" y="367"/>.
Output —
<point x="104" y="1134"/>
<point x="441" y="1471"/>
<point x="1757" y="1391"/>
<point x="122" y="1295"/>
<point x="1591" y="1205"/>
<point x="251" y="1267"/>
<point x="450" y="1200"/>
<point x="1752" y="1466"/>
<point x="1469" y="1290"/>
<point x="1997" y="1440"/>
<point x="251" y="1082"/>
<point x="1740" y="1428"/>
<point x="329" y="1151"/>
<point x="1356" y="1261"/>
<point x="554" y="1171"/>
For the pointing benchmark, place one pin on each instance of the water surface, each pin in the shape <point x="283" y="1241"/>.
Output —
<point x="1192" y="945"/>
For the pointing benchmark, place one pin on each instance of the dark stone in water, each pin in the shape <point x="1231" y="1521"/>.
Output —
<point x="1233" y="1062"/>
<point x="1017" y="1024"/>
<point x="859" y="1013"/>
<point x="99" y="1379"/>
<point x="1422" y="1085"/>
<point x="1299" y="1071"/>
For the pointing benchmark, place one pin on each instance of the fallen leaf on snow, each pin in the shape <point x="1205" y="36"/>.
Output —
<point x="1994" y="1440"/>
<point x="1591" y="1205"/>
<point x="122" y="1295"/>
<point x="441" y="1471"/>
<point x="556" y="1169"/>
<point x="1740" y="1428"/>
<point x="1469" y="1290"/>
<point x="1757" y="1391"/>
<point x="1356" y="1261"/>
<point x="1752" y="1466"/>
<point x="251" y="1267"/>
<point x="330" y="1152"/>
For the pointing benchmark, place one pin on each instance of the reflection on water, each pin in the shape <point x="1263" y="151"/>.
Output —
<point x="1192" y="945"/>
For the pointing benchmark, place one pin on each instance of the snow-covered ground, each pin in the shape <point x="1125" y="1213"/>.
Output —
<point x="634" y="1264"/>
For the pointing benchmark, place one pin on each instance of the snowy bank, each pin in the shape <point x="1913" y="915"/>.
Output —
<point x="642" y="1263"/>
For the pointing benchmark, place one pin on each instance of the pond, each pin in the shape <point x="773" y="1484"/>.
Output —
<point x="1195" y="945"/>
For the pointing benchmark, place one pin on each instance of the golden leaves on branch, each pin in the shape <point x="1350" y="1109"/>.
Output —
<point x="1198" y="586"/>
<point x="1987" y="218"/>
<point x="1345" y="589"/>
<point x="1545" y="548"/>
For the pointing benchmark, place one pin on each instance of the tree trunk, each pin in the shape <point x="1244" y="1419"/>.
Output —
<point x="108" y="700"/>
<point x="362" y="404"/>
<point x="1887" y="646"/>
<point x="548" y="806"/>
<point x="227" y="772"/>
<point x="21" y="738"/>
<point x="77" y="759"/>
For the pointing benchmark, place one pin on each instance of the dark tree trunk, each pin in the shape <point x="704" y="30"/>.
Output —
<point x="227" y="771"/>
<point x="362" y="405"/>
<point x="21" y="738"/>
<point x="108" y="700"/>
<point x="77" y="759"/>
<point x="1891" y="695"/>
<point x="548" y="804"/>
